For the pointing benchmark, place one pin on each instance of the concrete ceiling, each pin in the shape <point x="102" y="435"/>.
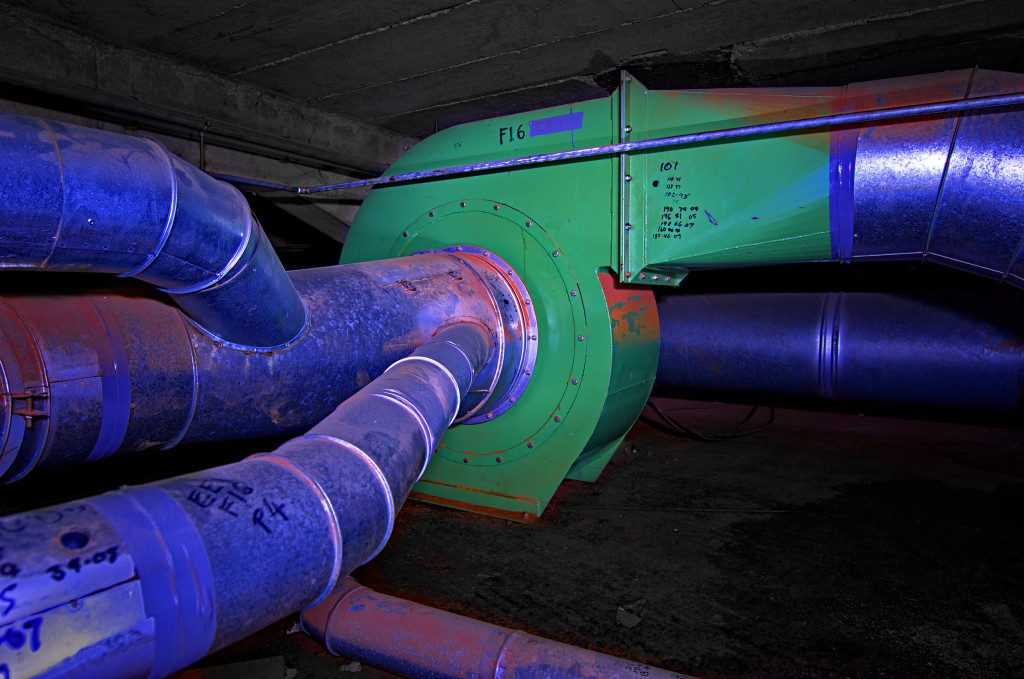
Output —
<point x="414" y="66"/>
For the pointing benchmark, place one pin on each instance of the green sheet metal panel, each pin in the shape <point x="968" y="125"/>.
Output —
<point x="556" y="225"/>
<point x="730" y="203"/>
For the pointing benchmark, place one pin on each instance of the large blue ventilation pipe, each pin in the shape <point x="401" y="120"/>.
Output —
<point x="78" y="199"/>
<point x="962" y="351"/>
<point x="948" y="189"/>
<point x="89" y="376"/>
<point x="144" y="581"/>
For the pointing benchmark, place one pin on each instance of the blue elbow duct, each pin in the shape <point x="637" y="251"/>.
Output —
<point x="78" y="199"/>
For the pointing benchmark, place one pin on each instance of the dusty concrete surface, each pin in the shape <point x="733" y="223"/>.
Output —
<point x="828" y="545"/>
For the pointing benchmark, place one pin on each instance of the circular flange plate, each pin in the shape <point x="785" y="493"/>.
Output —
<point x="553" y="288"/>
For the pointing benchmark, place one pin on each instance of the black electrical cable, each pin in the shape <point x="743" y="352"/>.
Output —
<point x="679" y="429"/>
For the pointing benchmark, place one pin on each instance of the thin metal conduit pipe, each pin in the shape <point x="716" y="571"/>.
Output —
<point x="419" y="642"/>
<point x="144" y="581"/>
<point x="79" y="199"/>
<point x="853" y="118"/>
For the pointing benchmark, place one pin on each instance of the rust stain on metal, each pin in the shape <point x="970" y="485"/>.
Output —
<point x="631" y="311"/>
<point x="508" y="515"/>
<point x="477" y="490"/>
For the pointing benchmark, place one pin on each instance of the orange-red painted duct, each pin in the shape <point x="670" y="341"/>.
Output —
<point x="413" y="640"/>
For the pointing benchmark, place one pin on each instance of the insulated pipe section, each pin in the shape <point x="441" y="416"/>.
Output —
<point x="89" y="376"/>
<point x="79" y="199"/>
<point x="420" y="642"/>
<point x="144" y="581"/>
<point x="963" y="351"/>
<point x="947" y="189"/>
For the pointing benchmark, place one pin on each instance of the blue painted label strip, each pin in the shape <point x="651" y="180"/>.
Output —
<point x="563" y="123"/>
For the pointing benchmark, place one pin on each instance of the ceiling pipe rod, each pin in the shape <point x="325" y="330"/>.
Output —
<point x="958" y="105"/>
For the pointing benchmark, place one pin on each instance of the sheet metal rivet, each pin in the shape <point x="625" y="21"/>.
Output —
<point x="489" y="415"/>
<point x="579" y="338"/>
<point x="629" y="128"/>
<point x="554" y="253"/>
<point x="643" y="275"/>
<point x="526" y="516"/>
<point x="495" y="206"/>
<point x="529" y="444"/>
<point x="511" y="400"/>
<point x="655" y="276"/>
<point x="529" y="223"/>
<point x="497" y="459"/>
<point x="628" y="227"/>
<point x="575" y="381"/>
<point x="431" y="213"/>
<point x="89" y="220"/>
<point x="405" y="234"/>
<point x="462" y="204"/>
<point x="533" y="337"/>
<point x="465" y="460"/>
<point x="458" y="248"/>
<point x="573" y="293"/>
<point x="628" y="177"/>
<point x="527" y="302"/>
<point x="668" y="278"/>
<point x="557" y="418"/>
<point x="627" y="274"/>
<point x="629" y="78"/>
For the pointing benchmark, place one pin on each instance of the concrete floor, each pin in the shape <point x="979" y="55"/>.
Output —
<point x="828" y="545"/>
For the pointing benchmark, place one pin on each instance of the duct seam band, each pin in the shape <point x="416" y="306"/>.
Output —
<point x="114" y="381"/>
<point x="219" y="277"/>
<point x="337" y="539"/>
<point x="372" y="464"/>
<point x="195" y="386"/>
<point x="330" y="618"/>
<point x="469" y="364"/>
<point x="173" y="570"/>
<point x="171" y="213"/>
<point x="455" y="383"/>
<point x="428" y="436"/>
<point x="503" y="656"/>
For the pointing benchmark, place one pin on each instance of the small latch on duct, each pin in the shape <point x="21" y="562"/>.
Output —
<point x="24" y="404"/>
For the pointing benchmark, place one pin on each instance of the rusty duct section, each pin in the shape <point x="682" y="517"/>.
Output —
<point x="412" y="640"/>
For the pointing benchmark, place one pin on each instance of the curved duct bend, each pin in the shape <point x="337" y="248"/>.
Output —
<point x="78" y="199"/>
<point x="179" y="568"/>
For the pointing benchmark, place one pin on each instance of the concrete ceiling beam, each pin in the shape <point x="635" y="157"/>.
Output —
<point x="134" y="87"/>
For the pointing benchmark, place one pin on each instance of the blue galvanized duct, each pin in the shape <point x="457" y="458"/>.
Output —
<point x="120" y="373"/>
<point x="948" y="190"/>
<point x="78" y="199"/>
<point x="962" y="351"/>
<point x="181" y="567"/>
